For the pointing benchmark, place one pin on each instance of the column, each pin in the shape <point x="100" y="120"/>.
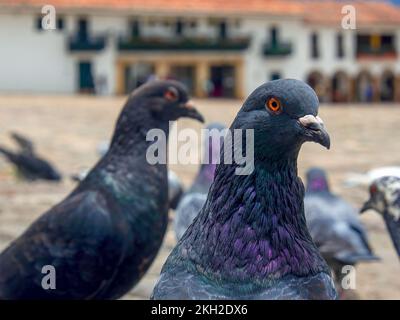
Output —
<point x="162" y="69"/>
<point x="202" y="77"/>
<point x="120" y="77"/>
<point x="239" y="80"/>
<point x="396" y="88"/>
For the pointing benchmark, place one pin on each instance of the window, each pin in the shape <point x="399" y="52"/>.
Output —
<point x="60" y="23"/>
<point x="179" y="27"/>
<point x="222" y="32"/>
<point x="274" y="36"/>
<point x="314" y="46"/>
<point x="339" y="46"/>
<point x="135" y="28"/>
<point x="276" y="76"/>
<point x="82" y="29"/>
<point x="39" y="23"/>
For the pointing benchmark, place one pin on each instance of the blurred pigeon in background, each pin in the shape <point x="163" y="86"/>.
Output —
<point x="28" y="164"/>
<point x="359" y="179"/>
<point x="26" y="146"/>
<point x="334" y="226"/>
<point x="175" y="189"/>
<point x="103" y="237"/>
<point x="250" y="240"/>
<point x="385" y="199"/>
<point x="196" y="196"/>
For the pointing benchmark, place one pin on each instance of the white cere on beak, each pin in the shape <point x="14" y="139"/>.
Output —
<point x="309" y="119"/>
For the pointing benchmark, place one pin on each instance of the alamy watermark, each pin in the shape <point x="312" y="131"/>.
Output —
<point x="349" y="279"/>
<point x="49" y="18"/>
<point x="236" y="149"/>
<point x="49" y="280"/>
<point x="349" y="19"/>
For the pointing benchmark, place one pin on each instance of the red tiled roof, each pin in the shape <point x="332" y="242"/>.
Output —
<point x="367" y="12"/>
<point x="325" y="11"/>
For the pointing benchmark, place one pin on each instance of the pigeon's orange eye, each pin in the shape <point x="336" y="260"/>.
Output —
<point x="171" y="94"/>
<point x="373" y="189"/>
<point x="274" y="105"/>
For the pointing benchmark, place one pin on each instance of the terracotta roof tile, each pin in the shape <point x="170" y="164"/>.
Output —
<point x="312" y="11"/>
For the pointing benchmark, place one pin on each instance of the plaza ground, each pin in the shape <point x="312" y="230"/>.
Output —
<point x="67" y="131"/>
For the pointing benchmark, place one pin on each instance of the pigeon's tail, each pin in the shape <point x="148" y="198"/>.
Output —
<point x="7" y="153"/>
<point x="355" y="258"/>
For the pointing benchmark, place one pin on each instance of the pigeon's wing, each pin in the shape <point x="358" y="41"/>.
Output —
<point x="177" y="283"/>
<point x="25" y="144"/>
<point x="315" y="287"/>
<point x="336" y="230"/>
<point x="76" y="239"/>
<point x="187" y="210"/>
<point x="318" y="218"/>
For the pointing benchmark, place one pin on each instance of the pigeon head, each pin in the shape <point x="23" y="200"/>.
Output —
<point x="283" y="114"/>
<point x="152" y="106"/>
<point x="166" y="100"/>
<point x="384" y="197"/>
<point x="317" y="180"/>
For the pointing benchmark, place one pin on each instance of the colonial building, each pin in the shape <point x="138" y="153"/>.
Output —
<point x="218" y="48"/>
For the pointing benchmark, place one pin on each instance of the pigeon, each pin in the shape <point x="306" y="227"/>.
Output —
<point x="334" y="226"/>
<point x="101" y="239"/>
<point x="196" y="196"/>
<point x="385" y="199"/>
<point x="175" y="190"/>
<point x="356" y="179"/>
<point x="175" y="186"/>
<point x="29" y="165"/>
<point x="250" y="240"/>
<point x="102" y="147"/>
<point x="24" y="143"/>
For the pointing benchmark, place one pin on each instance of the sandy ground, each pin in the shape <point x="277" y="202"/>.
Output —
<point x="68" y="129"/>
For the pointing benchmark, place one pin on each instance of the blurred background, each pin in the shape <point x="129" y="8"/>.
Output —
<point x="64" y="76"/>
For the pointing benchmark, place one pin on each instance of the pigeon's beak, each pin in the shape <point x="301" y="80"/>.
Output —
<point x="188" y="110"/>
<point x="368" y="205"/>
<point x="314" y="130"/>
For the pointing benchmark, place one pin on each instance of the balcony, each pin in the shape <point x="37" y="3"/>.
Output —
<point x="183" y="44"/>
<point x="90" y="44"/>
<point x="277" y="49"/>
<point x="384" y="51"/>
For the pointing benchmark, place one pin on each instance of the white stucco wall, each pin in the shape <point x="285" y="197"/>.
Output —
<point x="36" y="61"/>
<point x="33" y="61"/>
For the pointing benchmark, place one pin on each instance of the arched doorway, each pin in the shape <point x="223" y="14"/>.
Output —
<point x="340" y="87"/>
<point x="387" y="86"/>
<point x="364" y="87"/>
<point x="316" y="81"/>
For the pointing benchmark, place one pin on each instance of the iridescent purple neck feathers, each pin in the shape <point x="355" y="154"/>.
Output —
<point x="253" y="228"/>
